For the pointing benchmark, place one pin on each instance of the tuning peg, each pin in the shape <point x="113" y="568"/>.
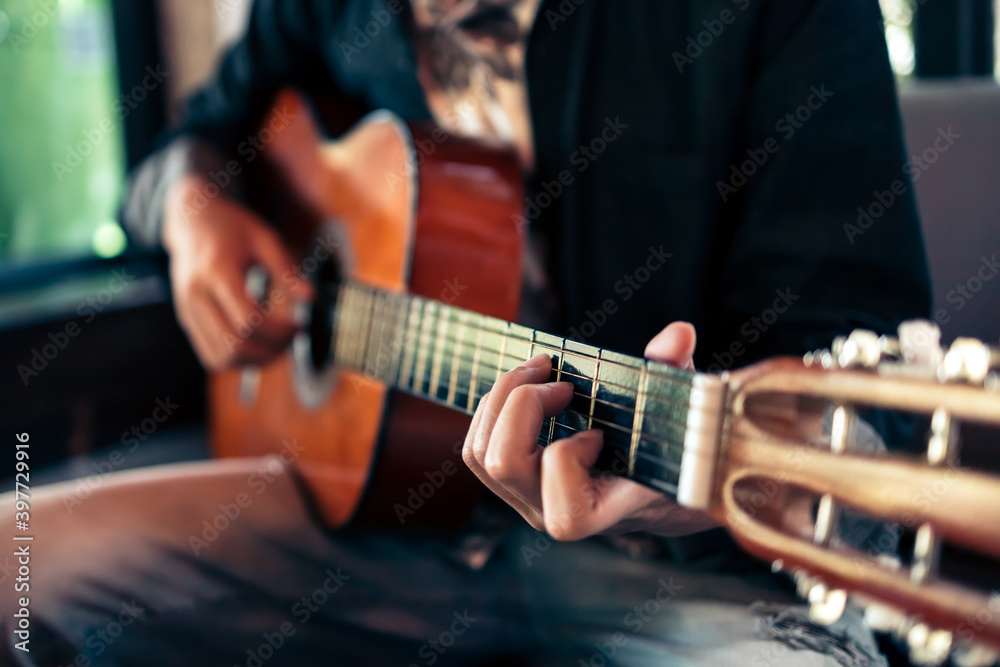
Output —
<point x="826" y="605"/>
<point x="920" y="344"/>
<point x="968" y="360"/>
<point x="883" y="618"/>
<point x="859" y="350"/>
<point x="928" y="647"/>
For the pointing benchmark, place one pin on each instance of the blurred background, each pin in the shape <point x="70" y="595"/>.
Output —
<point x="89" y="346"/>
<point x="88" y="341"/>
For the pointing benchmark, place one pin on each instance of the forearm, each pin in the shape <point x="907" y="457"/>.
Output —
<point x="153" y="181"/>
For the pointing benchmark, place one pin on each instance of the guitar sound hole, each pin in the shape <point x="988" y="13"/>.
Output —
<point x="320" y="329"/>
<point x="313" y="367"/>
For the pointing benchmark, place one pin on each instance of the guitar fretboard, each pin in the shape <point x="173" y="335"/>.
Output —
<point x="453" y="357"/>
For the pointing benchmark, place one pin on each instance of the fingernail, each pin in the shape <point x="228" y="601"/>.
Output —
<point x="538" y="361"/>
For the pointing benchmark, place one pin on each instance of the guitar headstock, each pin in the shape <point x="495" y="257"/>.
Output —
<point x="793" y="464"/>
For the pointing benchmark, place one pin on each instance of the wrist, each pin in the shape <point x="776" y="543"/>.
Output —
<point x="180" y="203"/>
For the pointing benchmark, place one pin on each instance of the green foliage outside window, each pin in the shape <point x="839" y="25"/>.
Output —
<point x="61" y="154"/>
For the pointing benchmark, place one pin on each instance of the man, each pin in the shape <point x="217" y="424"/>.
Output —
<point x="723" y="147"/>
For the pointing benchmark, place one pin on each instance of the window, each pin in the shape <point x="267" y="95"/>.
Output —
<point x="943" y="38"/>
<point x="62" y="159"/>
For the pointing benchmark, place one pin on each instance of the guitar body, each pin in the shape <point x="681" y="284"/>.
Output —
<point x="425" y="228"/>
<point x="406" y="209"/>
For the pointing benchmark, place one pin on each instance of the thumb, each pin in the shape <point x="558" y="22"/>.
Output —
<point x="278" y="262"/>
<point x="674" y="345"/>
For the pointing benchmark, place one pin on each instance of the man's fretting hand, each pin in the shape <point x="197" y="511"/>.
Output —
<point x="553" y="487"/>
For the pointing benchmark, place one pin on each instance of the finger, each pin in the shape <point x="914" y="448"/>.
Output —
<point x="266" y="322"/>
<point x="278" y="263"/>
<point x="530" y="514"/>
<point x="533" y="371"/>
<point x="207" y="329"/>
<point x="576" y="504"/>
<point x="513" y="457"/>
<point x="674" y="345"/>
<point x="227" y="346"/>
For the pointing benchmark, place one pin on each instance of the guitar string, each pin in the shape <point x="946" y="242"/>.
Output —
<point x="625" y="410"/>
<point x="401" y="306"/>
<point x="474" y="382"/>
<point x="621" y="447"/>
<point x="417" y="386"/>
<point x="405" y="300"/>
<point x="669" y="445"/>
<point x="626" y="390"/>
<point x="402" y="312"/>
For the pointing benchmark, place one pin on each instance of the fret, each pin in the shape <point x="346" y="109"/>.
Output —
<point x="558" y="370"/>
<point x="397" y="339"/>
<point x="503" y="347"/>
<point x="343" y="329"/>
<point x="471" y="407"/>
<point x="387" y="332"/>
<point x="456" y="358"/>
<point x="355" y="314"/>
<point x="437" y="360"/>
<point x="424" y="349"/>
<point x="364" y="335"/>
<point x="518" y="350"/>
<point x="489" y="362"/>
<point x="463" y="388"/>
<point x="637" y="423"/>
<point x="409" y="343"/>
<point x="388" y="336"/>
<point x="383" y="347"/>
<point x="373" y="359"/>
<point x="593" y="386"/>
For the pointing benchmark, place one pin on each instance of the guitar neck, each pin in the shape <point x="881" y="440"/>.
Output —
<point x="661" y="425"/>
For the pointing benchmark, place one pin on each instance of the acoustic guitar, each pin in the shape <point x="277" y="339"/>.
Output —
<point x="413" y="238"/>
